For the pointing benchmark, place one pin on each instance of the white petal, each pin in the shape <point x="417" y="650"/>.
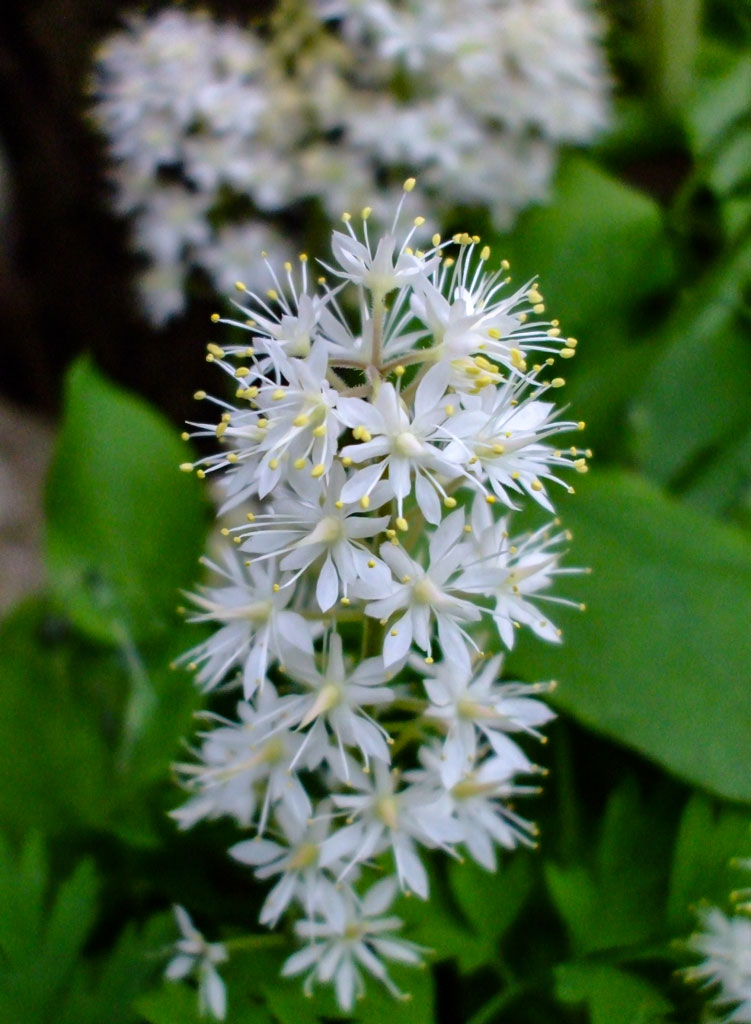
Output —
<point x="327" y="587"/>
<point x="427" y="499"/>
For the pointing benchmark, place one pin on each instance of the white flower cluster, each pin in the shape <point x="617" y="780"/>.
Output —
<point x="216" y="133"/>
<point x="374" y="458"/>
<point x="724" y="943"/>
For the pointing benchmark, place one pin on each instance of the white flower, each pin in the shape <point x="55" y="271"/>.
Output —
<point x="425" y="595"/>
<point x="255" y="624"/>
<point x="197" y="956"/>
<point x="513" y="572"/>
<point x="385" y="817"/>
<point x="296" y="860"/>
<point x="245" y="769"/>
<point x="473" y="706"/>
<point x="476" y="804"/>
<point x="499" y="435"/>
<point x="311" y="523"/>
<point x="725" y="945"/>
<point x="404" y="446"/>
<point x="350" y="934"/>
<point x="337" y="700"/>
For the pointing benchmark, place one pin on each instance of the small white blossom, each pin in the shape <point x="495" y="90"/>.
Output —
<point x="256" y="625"/>
<point x="724" y="943"/>
<point x="473" y="705"/>
<point x="197" y="956"/>
<point x="348" y="935"/>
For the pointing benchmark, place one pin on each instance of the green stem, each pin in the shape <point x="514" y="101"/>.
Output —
<point x="258" y="941"/>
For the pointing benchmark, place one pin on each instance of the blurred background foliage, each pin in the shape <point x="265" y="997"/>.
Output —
<point x="644" y="253"/>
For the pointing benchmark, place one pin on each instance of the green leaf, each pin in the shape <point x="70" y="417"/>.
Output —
<point x="617" y="900"/>
<point x="65" y="756"/>
<point x="708" y="839"/>
<point x="661" y="659"/>
<point x="599" y="247"/>
<point x="125" y="527"/>
<point x="697" y="394"/>
<point x="41" y="936"/>
<point x="490" y="903"/>
<point x="612" y="996"/>
<point x="174" y="1003"/>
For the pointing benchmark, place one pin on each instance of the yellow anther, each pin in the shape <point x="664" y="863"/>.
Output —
<point x="318" y="470"/>
<point x="490" y="498"/>
<point x="201" y="474"/>
<point x="406" y="578"/>
<point x="391" y="534"/>
<point x="288" y="266"/>
<point x="449" y="502"/>
<point x="366" y="212"/>
<point x="262" y="422"/>
<point x="299" y="464"/>
<point x="567" y="353"/>
<point x="250" y="517"/>
<point x="474" y="460"/>
<point x="346" y="217"/>
<point x="468" y="528"/>
<point x="401" y="524"/>
<point x="485" y="252"/>
<point x="418" y="222"/>
<point x="240" y="286"/>
<point x="220" y="428"/>
<point x="224" y="531"/>
<point x="319" y="431"/>
<point x="515" y="475"/>
<point x="215" y="350"/>
<point x="185" y="436"/>
<point x="232" y="457"/>
<point x="303" y="257"/>
<point x="494" y="333"/>
<point x="186" y="467"/>
<point x="251" y="392"/>
<point x="534" y="295"/>
<point x="498" y="449"/>
<point x="572" y="342"/>
<point x="346" y="461"/>
<point x="371" y="563"/>
<point x="536" y="485"/>
<point x="557" y="382"/>
<point x="365" y="501"/>
<point x="300" y="421"/>
<point x="278" y="395"/>
<point x="581" y="466"/>
<point x="276" y="588"/>
<point x="539" y="308"/>
<point x="399" y="370"/>
<point x="242" y="371"/>
<point x="428" y="661"/>
<point x="449" y="261"/>
<point x="395" y="632"/>
<point x="581" y="425"/>
<point x="199" y="395"/>
<point x="517" y="359"/>
<point x="346" y="601"/>
<point x="273" y="463"/>
<point x="272" y="294"/>
<point x="339" y="504"/>
<point x="505" y="265"/>
<point x="409" y="184"/>
<point x="554" y="332"/>
<point x="436" y="239"/>
<point x="450" y="410"/>
<point x="215" y="318"/>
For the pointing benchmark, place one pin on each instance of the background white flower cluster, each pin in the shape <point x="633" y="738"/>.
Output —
<point x="382" y="413"/>
<point x="216" y="133"/>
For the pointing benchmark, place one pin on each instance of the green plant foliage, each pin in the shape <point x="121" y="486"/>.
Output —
<point x="612" y="996"/>
<point x="124" y="526"/>
<point x="709" y="838"/>
<point x="616" y="900"/>
<point x="669" y="601"/>
<point x="43" y="930"/>
<point x="76" y="729"/>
